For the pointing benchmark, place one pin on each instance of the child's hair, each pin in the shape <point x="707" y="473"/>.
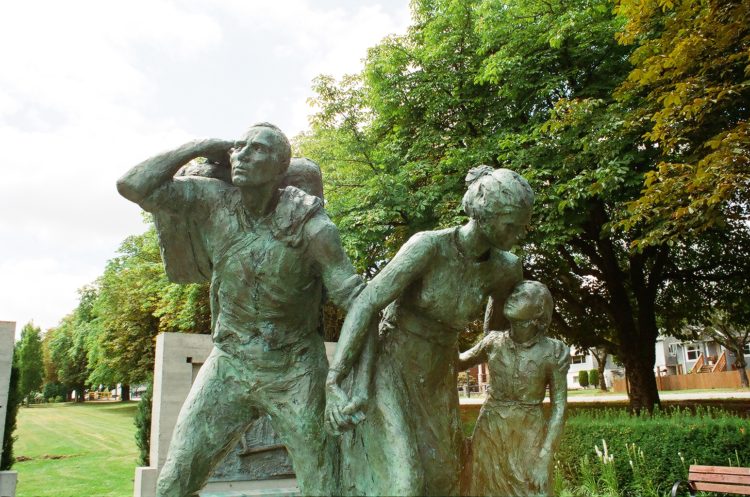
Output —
<point x="540" y="295"/>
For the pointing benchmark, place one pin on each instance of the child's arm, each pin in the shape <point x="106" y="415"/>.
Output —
<point x="475" y="355"/>
<point x="558" y="394"/>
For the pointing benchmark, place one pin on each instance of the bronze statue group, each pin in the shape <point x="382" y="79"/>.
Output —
<point x="383" y="419"/>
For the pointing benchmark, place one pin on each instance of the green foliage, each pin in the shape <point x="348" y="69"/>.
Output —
<point x="11" y="415"/>
<point x="540" y="87"/>
<point x="689" y="84"/>
<point x="583" y="378"/>
<point x="143" y="425"/>
<point x="28" y="357"/>
<point x="109" y="337"/>
<point x="135" y="302"/>
<point x="660" y="447"/>
<point x="53" y="391"/>
<point x="593" y="376"/>
<point x="66" y="352"/>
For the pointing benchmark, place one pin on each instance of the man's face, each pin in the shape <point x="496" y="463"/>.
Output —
<point x="254" y="160"/>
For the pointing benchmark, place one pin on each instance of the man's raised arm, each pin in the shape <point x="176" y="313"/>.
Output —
<point x="143" y="179"/>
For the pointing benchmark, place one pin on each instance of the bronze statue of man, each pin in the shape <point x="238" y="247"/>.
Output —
<point x="268" y="250"/>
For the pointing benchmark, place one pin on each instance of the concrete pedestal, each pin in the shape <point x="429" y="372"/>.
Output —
<point x="179" y="356"/>
<point x="8" y="480"/>
<point x="7" y="339"/>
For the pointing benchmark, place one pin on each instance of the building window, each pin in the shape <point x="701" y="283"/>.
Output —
<point x="578" y="359"/>
<point x="672" y="349"/>
<point x="747" y="349"/>
<point x="693" y="351"/>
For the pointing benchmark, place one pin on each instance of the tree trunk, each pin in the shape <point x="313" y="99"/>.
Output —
<point x="743" y="378"/>
<point x="639" y="371"/>
<point x="741" y="366"/>
<point x="600" y="354"/>
<point x="124" y="393"/>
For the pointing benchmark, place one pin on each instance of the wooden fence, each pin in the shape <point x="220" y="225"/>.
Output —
<point x="724" y="379"/>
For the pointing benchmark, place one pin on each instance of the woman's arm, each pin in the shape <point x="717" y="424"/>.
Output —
<point x="406" y="266"/>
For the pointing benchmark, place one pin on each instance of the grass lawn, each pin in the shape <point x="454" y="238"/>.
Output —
<point x="83" y="450"/>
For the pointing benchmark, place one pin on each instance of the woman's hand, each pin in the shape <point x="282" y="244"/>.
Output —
<point x="341" y="413"/>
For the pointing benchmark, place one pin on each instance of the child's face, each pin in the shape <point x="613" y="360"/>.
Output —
<point x="523" y="313"/>
<point x="520" y="306"/>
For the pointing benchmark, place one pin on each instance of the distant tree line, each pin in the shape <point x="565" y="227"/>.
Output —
<point x="109" y="338"/>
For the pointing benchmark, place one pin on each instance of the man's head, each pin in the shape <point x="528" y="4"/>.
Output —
<point x="262" y="156"/>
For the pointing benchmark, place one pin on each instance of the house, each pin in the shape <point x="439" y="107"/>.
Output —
<point x="674" y="356"/>
<point x="584" y="360"/>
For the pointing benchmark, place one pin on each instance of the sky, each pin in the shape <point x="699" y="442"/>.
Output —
<point x="89" y="88"/>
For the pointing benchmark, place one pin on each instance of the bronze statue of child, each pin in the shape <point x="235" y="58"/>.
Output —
<point x="513" y="441"/>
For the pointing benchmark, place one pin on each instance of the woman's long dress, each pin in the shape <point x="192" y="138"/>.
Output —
<point x="410" y="442"/>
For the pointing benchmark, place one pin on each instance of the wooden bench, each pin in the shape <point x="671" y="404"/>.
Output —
<point x="724" y="479"/>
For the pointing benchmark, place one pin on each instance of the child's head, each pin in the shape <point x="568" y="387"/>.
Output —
<point x="530" y="301"/>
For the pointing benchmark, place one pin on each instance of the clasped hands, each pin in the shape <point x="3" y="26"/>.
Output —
<point x="342" y="413"/>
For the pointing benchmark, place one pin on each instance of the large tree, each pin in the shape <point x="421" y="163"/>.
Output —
<point x="690" y="76"/>
<point x="528" y="85"/>
<point x="28" y="353"/>
<point x="67" y="354"/>
<point x="135" y="302"/>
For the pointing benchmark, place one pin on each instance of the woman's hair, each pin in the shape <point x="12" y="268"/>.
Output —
<point x="539" y="296"/>
<point x="496" y="192"/>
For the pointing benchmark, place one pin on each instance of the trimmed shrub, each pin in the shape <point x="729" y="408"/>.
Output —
<point x="583" y="378"/>
<point x="662" y="446"/>
<point x="143" y="425"/>
<point x="52" y="391"/>
<point x="594" y="378"/>
<point x="14" y="400"/>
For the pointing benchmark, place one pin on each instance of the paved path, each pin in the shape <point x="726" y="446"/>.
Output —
<point x="574" y="399"/>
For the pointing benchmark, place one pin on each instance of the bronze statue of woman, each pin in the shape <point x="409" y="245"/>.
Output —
<point x="409" y="442"/>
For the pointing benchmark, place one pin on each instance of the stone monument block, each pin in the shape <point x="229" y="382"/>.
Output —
<point x="7" y="339"/>
<point x="259" y="465"/>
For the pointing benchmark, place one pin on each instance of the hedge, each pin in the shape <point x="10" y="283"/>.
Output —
<point x="594" y="377"/>
<point x="583" y="378"/>
<point x="143" y="425"/>
<point x="670" y="443"/>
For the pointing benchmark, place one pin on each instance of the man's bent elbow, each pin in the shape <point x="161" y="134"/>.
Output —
<point x="127" y="189"/>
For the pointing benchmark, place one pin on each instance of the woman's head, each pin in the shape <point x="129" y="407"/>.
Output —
<point x="500" y="201"/>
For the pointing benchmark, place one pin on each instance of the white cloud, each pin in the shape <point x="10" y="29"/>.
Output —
<point x="89" y="88"/>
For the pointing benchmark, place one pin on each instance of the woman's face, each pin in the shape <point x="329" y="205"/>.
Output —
<point x="504" y="232"/>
